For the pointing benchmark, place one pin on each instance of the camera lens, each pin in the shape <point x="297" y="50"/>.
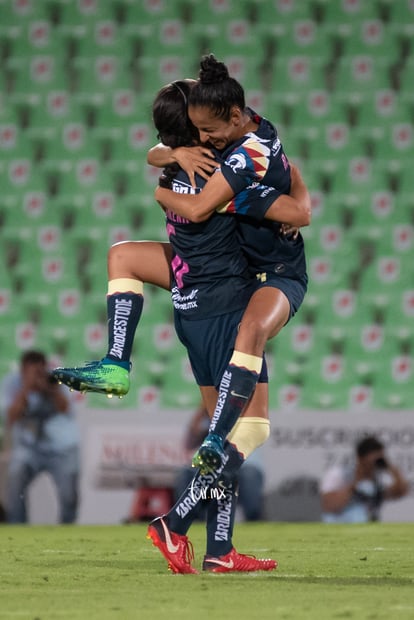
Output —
<point x="381" y="463"/>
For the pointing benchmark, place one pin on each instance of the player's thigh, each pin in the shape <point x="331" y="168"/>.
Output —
<point x="267" y="312"/>
<point x="148" y="261"/>
<point x="258" y="406"/>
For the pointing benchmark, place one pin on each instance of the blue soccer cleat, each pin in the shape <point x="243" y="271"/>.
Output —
<point x="101" y="377"/>
<point x="210" y="456"/>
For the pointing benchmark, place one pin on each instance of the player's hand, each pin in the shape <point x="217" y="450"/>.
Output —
<point x="195" y="160"/>
<point x="287" y="229"/>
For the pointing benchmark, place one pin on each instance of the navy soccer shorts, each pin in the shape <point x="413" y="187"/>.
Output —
<point x="294" y="290"/>
<point x="210" y="343"/>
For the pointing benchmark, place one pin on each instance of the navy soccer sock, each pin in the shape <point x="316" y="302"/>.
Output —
<point x="236" y="388"/>
<point x="221" y="513"/>
<point x="202" y="487"/>
<point x="124" y="311"/>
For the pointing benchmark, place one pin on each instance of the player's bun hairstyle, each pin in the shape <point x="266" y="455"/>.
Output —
<point x="169" y="113"/>
<point x="215" y="89"/>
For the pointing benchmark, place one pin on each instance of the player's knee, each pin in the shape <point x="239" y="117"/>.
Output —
<point x="252" y="336"/>
<point x="249" y="433"/>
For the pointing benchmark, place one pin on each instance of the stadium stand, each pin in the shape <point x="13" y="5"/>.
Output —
<point x="77" y="78"/>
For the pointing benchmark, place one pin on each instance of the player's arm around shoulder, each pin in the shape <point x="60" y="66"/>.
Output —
<point x="197" y="207"/>
<point x="192" y="159"/>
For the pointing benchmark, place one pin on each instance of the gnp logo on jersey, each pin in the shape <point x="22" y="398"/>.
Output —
<point x="183" y="188"/>
<point x="237" y="162"/>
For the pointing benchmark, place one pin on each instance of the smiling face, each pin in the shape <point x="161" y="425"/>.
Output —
<point x="215" y="130"/>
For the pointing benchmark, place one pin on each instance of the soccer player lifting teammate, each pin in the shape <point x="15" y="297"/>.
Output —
<point x="252" y="153"/>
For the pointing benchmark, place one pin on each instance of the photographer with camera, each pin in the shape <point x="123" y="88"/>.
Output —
<point x="356" y="493"/>
<point x="44" y="437"/>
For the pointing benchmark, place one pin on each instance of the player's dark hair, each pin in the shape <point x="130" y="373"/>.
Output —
<point x="33" y="357"/>
<point x="215" y="89"/>
<point x="169" y="113"/>
<point x="368" y="445"/>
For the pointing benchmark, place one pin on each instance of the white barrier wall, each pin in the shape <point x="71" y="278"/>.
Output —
<point x="121" y="449"/>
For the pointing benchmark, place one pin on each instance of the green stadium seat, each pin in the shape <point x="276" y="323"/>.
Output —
<point x="393" y="385"/>
<point x="375" y="112"/>
<point x="371" y="36"/>
<point x="396" y="240"/>
<point x="333" y="142"/>
<point x="371" y="211"/>
<point x="153" y="72"/>
<point x="398" y="312"/>
<point x="34" y="76"/>
<point x="130" y="150"/>
<point x="328" y="382"/>
<point x="14" y="15"/>
<point x="72" y="144"/>
<point x="178" y="389"/>
<point x="404" y="81"/>
<point x="117" y="111"/>
<point x="356" y="174"/>
<point x="15" y="144"/>
<point x="298" y="74"/>
<point x="233" y="38"/>
<point x="16" y="178"/>
<point x="139" y="19"/>
<point x="36" y="37"/>
<point x="172" y="37"/>
<point x="315" y="109"/>
<point x="103" y="37"/>
<point x="248" y="70"/>
<point x="405" y="185"/>
<point x="79" y="344"/>
<point x="386" y="277"/>
<point x="137" y="188"/>
<point x="273" y="19"/>
<point x="341" y="16"/>
<point x="211" y="12"/>
<point x="75" y="180"/>
<point x="305" y="37"/>
<point x="55" y="108"/>
<point x="99" y="75"/>
<point x="400" y="17"/>
<point x="391" y="396"/>
<point x="361" y="73"/>
<point x="75" y="19"/>
<point x="396" y="145"/>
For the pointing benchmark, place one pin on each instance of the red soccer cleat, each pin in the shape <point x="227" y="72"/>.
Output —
<point x="235" y="562"/>
<point x="177" y="549"/>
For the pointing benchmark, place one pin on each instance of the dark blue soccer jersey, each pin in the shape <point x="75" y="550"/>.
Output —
<point x="259" y="157"/>
<point x="210" y="271"/>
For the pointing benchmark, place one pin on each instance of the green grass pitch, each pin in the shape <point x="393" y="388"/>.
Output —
<point x="113" y="572"/>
